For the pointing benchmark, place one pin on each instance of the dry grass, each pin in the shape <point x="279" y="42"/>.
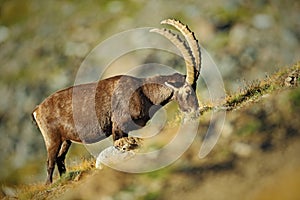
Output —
<point x="258" y="88"/>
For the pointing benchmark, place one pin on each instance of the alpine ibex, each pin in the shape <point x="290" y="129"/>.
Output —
<point x="120" y="106"/>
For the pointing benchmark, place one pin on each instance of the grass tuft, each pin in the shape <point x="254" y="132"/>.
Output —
<point x="258" y="88"/>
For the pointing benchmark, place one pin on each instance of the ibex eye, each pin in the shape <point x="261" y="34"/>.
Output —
<point x="188" y="91"/>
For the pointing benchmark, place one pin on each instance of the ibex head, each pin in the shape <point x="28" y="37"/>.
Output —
<point x="185" y="93"/>
<point x="186" y="98"/>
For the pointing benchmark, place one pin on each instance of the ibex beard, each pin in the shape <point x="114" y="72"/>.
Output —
<point x="121" y="103"/>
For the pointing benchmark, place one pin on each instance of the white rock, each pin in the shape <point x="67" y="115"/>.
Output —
<point x="242" y="149"/>
<point x="112" y="156"/>
<point x="79" y="49"/>
<point x="4" y="33"/>
<point x="262" y="21"/>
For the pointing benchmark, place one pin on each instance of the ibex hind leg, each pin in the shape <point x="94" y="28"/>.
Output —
<point x="60" y="161"/>
<point x="52" y="150"/>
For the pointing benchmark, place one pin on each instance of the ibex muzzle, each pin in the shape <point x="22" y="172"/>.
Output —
<point x="120" y="106"/>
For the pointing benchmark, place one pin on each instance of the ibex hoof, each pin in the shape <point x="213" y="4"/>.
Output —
<point x="128" y="143"/>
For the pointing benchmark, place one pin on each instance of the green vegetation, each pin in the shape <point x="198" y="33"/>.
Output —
<point x="258" y="88"/>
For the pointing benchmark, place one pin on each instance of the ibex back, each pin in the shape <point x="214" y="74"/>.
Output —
<point x="120" y="105"/>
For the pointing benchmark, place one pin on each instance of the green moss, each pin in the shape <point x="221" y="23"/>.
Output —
<point x="152" y="196"/>
<point x="251" y="127"/>
<point x="162" y="173"/>
<point x="295" y="98"/>
<point x="70" y="175"/>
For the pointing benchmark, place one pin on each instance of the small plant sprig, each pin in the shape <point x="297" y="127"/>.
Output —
<point x="287" y="77"/>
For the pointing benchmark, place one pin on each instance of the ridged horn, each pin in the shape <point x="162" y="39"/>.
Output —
<point x="192" y="43"/>
<point x="184" y="49"/>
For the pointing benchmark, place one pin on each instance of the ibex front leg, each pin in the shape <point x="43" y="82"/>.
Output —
<point x="123" y="142"/>
<point x="128" y="143"/>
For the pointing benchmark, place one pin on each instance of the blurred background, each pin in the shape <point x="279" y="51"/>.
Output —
<point x="42" y="44"/>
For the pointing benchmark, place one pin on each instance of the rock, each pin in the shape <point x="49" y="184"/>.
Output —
<point x="112" y="156"/>
<point x="242" y="149"/>
<point x="9" y="192"/>
<point x="292" y="79"/>
<point x="262" y="21"/>
<point x="4" y="33"/>
<point x="79" y="49"/>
